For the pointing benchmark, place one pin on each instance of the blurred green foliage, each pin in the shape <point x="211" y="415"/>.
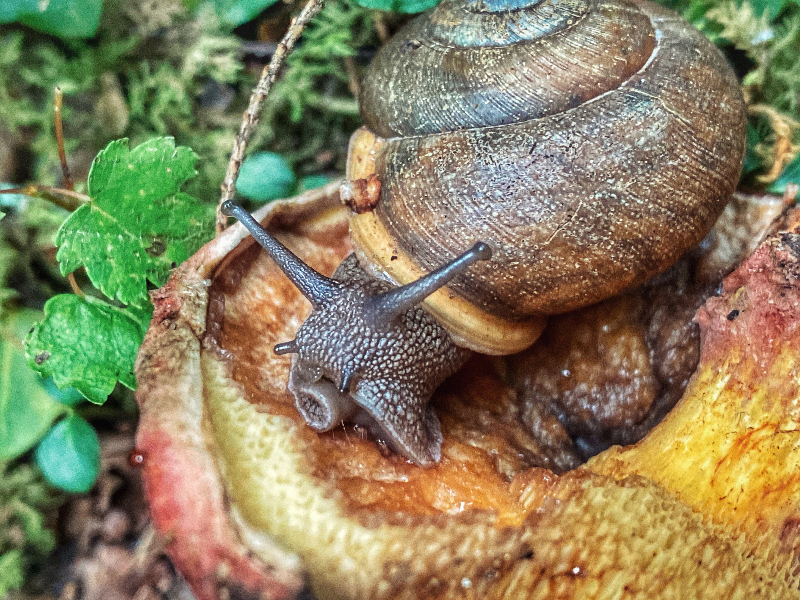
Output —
<point x="158" y="69"/>
<point x="25" y="535"/>
<point x="316" y="90"/>
<point x="62" y="18"/>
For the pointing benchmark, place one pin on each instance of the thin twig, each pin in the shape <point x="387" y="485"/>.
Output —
<point x="250" y="118"/>
<point x="58" y="98"/>
<point x="352" y="76"/>
<point x="69" y="185"/>
<point x="67" y="199"/>
<point x="380" y="27"/>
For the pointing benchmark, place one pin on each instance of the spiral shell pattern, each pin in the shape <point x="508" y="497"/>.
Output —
<point x="590" y="143"/>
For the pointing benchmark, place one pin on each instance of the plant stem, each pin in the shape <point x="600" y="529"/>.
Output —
<point x="67" y="199"/>
<point x="73" y="283"/>
<point x="58" y="98"/>
<point x="250" y="118"/>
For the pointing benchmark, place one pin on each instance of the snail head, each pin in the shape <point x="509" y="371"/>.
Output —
<point x="368" y="353"/>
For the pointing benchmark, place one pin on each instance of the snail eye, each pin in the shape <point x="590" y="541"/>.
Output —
<point x="347" y="382"/>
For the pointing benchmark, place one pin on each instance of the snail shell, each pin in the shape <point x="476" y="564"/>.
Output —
<point x="589" y="143"/>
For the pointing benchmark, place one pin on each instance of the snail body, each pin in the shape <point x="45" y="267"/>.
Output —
<point x="584" y="145"/>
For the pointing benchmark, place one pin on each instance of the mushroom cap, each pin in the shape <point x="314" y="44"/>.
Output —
<point x="255" y="504"/>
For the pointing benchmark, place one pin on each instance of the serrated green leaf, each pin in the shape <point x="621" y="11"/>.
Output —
<point x="26" y="409"/>
<point x="69" y="456"/>
<point x="265" y="176"/>
<point x="790" y="174"/>
<point x="152" y="170"/>
<point x="88" y="344"/>
<point x="138" y="225"/>
<point x="62" y="18"/>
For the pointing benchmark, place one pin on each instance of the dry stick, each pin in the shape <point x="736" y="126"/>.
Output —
<point x="65" y="197"/>
<point x="58" y="121"/>
<point x="250" y="118"/>
<point x="352" y="76"/>
<point x="57" y="102"/>
<point x="73" y="283"/>
<point x="380" y="26"/>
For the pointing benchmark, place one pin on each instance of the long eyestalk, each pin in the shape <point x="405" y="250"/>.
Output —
<point x="314" y="286"/>
<point x="386" y="306"/>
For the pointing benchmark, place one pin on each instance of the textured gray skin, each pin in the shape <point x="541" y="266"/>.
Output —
<point x="365" y="355"/>
<point x="381" y="375"/>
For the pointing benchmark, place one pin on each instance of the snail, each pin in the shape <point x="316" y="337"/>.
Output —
<point x="583" y="145"/>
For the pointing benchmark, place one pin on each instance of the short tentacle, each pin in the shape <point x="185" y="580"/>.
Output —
<point x="313" y="285"/>
<point x="347" y="381"/>
<point x="289" y="347"/>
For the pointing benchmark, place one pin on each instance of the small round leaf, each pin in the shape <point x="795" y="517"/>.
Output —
<point x="265" y="176"/>
<point x="400" y="6"/>
<point x="309" y="182"/>
<point x="69" y="456"/>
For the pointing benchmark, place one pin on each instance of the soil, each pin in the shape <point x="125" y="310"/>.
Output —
<point x="107" y="549"/>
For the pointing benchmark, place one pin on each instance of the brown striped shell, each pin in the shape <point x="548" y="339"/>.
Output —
<point x="590" y="143"/>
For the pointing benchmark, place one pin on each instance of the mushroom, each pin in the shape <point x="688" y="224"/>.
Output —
<point x="253" y="503"/>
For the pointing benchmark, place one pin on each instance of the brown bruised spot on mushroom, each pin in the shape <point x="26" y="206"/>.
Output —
<point x="609" y="373"/>
<point x="361" y="195"/>
<point x="165" y="302"/>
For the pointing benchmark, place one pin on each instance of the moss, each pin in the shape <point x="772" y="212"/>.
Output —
<point x="25" y="537"/>
<point x="312" y="111"/>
